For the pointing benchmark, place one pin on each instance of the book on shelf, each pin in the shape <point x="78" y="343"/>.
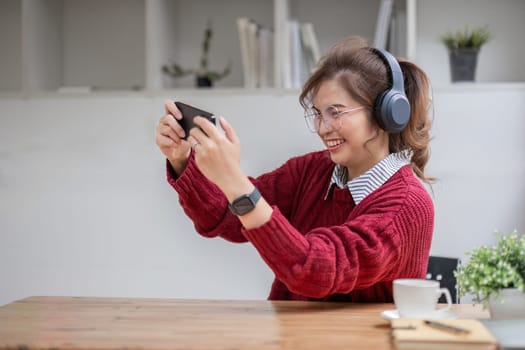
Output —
<point x="411" y="333"/>
<point x="305" y="52"/>
<point x="396" y="35"/>
<point x="286" y="63"/>
<point x="256" y="43"/>
<point x="248" y="70"/>
<point x="297" y="65"/>
<point x="266" y="58"/>
<point x="281" y="42"/>
<point x="383" y="23"/>
<point x="299" y="53"/>
<point x="310" y="44"/>
<point x="253" y="52"/>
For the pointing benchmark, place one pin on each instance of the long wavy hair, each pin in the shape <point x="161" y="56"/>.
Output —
<point x="363" y="74"/>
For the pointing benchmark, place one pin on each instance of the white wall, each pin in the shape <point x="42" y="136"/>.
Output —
<point x="478" y="157"/>
<point x="85" y="208"/>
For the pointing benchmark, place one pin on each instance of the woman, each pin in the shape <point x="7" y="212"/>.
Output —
<point x="337" y="224"/>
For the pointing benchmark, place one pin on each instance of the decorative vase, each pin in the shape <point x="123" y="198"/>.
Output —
<point x="511" y="304"/>
<point x="203" y="81"/>
<point x="463" y="62"/>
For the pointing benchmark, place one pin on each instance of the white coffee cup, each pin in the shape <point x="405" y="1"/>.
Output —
<point x="418" y="297"/>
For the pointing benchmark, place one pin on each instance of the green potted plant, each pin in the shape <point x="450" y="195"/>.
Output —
<point x="204" y="76"/>
<point x="463" y="49"/>
<point x="495" y="275"/>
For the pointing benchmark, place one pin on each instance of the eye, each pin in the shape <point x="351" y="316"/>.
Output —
<point x="333" y="111"/>
<point x="313" y="112"/>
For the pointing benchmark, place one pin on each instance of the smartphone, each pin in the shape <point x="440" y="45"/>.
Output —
<point x="190" y="112"/>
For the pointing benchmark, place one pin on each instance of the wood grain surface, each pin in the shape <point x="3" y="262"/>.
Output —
<point x="128" y="323"/>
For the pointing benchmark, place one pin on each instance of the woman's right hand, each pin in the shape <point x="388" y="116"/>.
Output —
<point x="169" y="137"/>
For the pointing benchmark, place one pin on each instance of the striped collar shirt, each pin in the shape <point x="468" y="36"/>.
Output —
<point x="372" y="179"/>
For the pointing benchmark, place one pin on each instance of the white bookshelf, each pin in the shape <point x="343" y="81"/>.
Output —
<point x="75" y="43"/>
<point x="122" y="44"/>
<point x="175" y="31"/>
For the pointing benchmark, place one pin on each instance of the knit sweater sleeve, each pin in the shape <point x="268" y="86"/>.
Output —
<point x="205" y="204"/>
<point x="392" y="225"/>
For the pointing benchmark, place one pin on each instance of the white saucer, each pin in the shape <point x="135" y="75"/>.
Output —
<point x="438" y="314"/>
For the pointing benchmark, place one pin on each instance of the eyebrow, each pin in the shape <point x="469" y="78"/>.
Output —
<point x="336" y="105"/>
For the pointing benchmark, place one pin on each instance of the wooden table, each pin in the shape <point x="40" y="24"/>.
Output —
<point x="123" y="323"/>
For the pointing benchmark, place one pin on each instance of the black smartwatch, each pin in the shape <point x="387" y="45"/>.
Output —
<point x="245" y="203"/>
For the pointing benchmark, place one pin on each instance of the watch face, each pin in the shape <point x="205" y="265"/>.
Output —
<point x="243" y="205"/>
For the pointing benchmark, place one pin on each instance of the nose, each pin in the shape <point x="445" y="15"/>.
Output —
<point x="325" y="126"/>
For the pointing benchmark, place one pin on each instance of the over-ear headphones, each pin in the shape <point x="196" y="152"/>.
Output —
<point x="391" y="107"/>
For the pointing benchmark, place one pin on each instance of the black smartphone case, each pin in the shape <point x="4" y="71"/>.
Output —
<point x="190" y="112"/>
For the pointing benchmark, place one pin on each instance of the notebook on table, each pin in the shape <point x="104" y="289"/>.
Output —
<point x="408" y="333"/>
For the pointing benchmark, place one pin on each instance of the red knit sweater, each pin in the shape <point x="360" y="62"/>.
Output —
<point x="323" y="249"/>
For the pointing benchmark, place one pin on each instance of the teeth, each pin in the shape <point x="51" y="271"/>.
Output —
<point x="333" y="143"/>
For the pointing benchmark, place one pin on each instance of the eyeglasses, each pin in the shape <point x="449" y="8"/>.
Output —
<point x="331" y="117"/>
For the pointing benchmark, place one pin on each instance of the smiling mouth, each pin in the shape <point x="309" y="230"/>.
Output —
<point x="331" y="144"/>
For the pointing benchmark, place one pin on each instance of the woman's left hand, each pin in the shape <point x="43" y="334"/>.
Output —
<point x="218" y="157"/>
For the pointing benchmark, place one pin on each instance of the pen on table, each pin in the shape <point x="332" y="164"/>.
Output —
<point x="446" y="327"/>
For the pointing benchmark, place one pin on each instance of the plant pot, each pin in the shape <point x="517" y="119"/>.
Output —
<point x="511" y="304"/>
<point x="203" y="81"/>
<point x="463" y="63"/>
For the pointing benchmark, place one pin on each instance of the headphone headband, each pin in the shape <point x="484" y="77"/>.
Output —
<point x="393" y="67"/>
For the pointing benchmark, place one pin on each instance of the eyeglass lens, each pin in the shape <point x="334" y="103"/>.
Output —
<point x="329" y="117"/>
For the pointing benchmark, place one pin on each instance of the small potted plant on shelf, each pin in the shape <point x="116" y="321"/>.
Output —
<point x="463" y="49"/>
<point x="203" y="76"/>
<point x="495" y="275"/>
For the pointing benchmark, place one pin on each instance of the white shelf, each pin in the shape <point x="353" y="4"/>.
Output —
<point x="93" y="43"/>
<point x="480" y="87"/>
<point x="182" y="93"/>
<point x="122" y="44"/>
<point x="175" y="31"/>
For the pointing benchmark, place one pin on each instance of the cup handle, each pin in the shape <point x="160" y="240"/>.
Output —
<point x="446" y="292"/>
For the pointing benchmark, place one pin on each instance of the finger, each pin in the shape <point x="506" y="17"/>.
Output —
<point x="164" y="141"/>
<point x="170" y="121"/>
<point x="171" y="108"/>
<point x="228" y="130"/>
<point x="167" y="131"/>
<point x="207" y="126"/>
<point x="166" y="123"/>
<point x="192" y="141"/>
<point x="194" y="144"/>
<point x="199" y="137"/>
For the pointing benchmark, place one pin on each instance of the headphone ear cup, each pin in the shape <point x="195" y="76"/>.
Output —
<point x="393" y="111"/>
<point x="378" y="114"/>
<point x="392" y="108"/>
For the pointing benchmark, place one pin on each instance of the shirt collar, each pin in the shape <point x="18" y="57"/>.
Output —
<point x="372" y="179"/>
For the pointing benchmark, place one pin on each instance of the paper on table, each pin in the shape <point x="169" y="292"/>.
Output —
<point x="409" y="333"/>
